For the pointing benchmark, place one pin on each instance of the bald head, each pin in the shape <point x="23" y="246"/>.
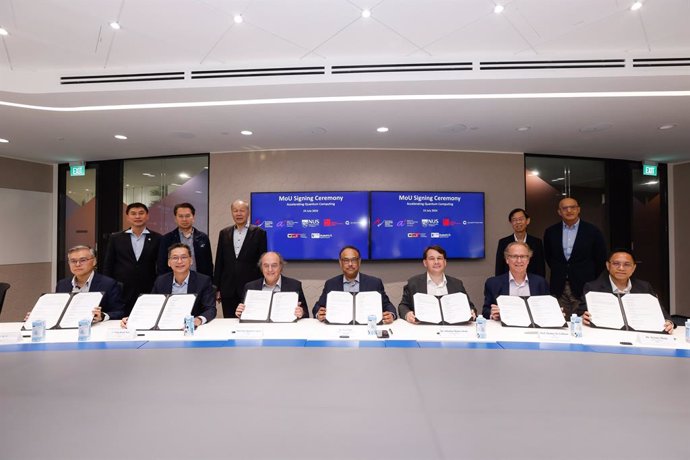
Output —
<point x="240" y="212"/>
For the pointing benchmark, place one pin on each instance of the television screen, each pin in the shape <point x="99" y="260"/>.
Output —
<point x="313" y="225"/>
<point x="404" y="223"/>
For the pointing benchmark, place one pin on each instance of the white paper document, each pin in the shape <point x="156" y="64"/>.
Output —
<point x="80" y="307"/>
<point x="605" y="310"/>
<point x="176" y="308"/>
<point x="283" y="307"/>
<point x="368" y="303"/>
<point x="426" y="308"/>
<point x="339" y="305"/>
<point x="513" y="311"/>
<point x="48" y="307"/>
<point x="546" y="312"/>
<point x="456" y="308"/>
<point x="643" y="312"/>
<point x="256" y="305"/>
<point x="146" y="311"/>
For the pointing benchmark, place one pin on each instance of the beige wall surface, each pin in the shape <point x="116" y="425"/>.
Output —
<point x="500" y="176"/>
<point x="26" y="175"/>
<point x="28" y="282"/>
<point x="679" y="245"/>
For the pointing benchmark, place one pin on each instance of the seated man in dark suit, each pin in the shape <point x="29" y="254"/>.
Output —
<point x="271" y="265"/>
<point x="519" y="219"/>
<point x="82" y="264"/>
<point x="516" y="282"/>
<point x="184" y="281"/>
<point x="434" y="281"/>
<point x="618" y="280"/>
<point x="185" y="232"/>
<point x="353" y="281"/>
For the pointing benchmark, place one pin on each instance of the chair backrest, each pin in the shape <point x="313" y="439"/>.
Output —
<point x="3" y="290"/>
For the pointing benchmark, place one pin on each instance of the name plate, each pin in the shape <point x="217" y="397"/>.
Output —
<point x="655" y="339"/>
<point x="10" y="337"/>
<point x="121" y="334"/>
<point x="344" y="332"/>
<point x="463" y="332"/>
<point x="248" y="333"/>
<point x="554" y="336"/>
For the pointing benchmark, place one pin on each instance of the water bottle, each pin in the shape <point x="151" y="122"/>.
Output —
<point x="577" y="328"/>
<point x="38" y="330"/>
<point x="481" y="327"/>
<point x="84" y="329"/>
<point x="371" y="325"/>
<point x="687" y="330"/>
<point x="573" y="319"/>
<point x="188" y="325"/>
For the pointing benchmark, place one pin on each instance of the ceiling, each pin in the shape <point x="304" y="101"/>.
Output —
<point x="565" y="77"/>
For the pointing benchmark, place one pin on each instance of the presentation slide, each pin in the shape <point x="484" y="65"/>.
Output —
<point x="313" y="225"/>
<point x="404" y="223"/>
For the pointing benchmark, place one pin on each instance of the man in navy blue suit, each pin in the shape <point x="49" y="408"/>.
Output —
<point x="519" y="219"/>
<point x="353" y="281"/>
<point x="202" y="260"/>
<point x="516" y="282"/>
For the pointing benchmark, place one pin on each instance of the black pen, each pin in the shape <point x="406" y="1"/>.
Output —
<point x="390" y="330"/>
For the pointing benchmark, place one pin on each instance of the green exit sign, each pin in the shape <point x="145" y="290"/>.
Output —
<point x="649" y="170"/>
<point x="77" y="170"/>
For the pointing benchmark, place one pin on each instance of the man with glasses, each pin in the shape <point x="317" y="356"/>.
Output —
<point x="182" y="280"/>
<point x="519" y="219"/>
<point x="617" y="279"/>
<point x="434" y="282"/>
<point x="82" y="264"/>
<point x="271" y="265"/>
<point x="517" y="281"/>
<point x="575" y="251"/>
<point x="198" y="242"/>
<point x="353" y="281"/>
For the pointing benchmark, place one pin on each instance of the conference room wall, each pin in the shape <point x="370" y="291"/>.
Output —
<point x="499" y="175"/>
<point x="27" y="205"/>
<point x="679" y="243"/>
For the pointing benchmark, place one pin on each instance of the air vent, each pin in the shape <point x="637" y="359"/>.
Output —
<point x="381" y="68"/>
<point x="270" y="72"/>
<point x="541" y="65"/>
<point x="121" y="78"/>
<point x="670" y="62"/>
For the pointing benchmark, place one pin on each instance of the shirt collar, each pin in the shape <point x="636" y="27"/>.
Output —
<point x="615" y="289"/>
<point x="278" y="283"/>
<point x="86" y="285"/>
<point x="184" y="283"/>
<point x="191" y="234"/>
<point x="129" y="230"/>
<point x="347" y="281"/>
<point x="571" y="227"/>
<point x="512" y="278"/>
<point x="430" y="281"/>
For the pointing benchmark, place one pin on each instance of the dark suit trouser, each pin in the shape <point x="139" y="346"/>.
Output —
<point x="568" y="301"/>
<point x="230" y="304"/>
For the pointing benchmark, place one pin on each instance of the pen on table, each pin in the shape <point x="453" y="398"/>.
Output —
<point x="390" y="331"/>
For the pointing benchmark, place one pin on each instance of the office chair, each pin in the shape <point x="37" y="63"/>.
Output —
<point x="3" y="290"/>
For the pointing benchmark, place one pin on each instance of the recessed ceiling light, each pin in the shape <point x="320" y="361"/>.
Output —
<point x="636" y="6"/>
<point x="535" y="172"/>
<point x="522" y="129"/>
<point x="366" y="13"/>
<point x="4" y="141"/>
<point x="382" y="129"/>
<point x="668" y="126"/>
<point x="183" y="175"/>
<point x="498" y="9"/>
<point x="122" y="137"/>
<point x="4" y="31"/>
<point x="115" y="25"/>
<point x="246" y="132"/>
<point x="238" y="19"/>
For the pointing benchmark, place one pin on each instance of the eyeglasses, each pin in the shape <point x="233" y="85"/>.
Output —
<point x="272" y="266"/>
<point x="179" y="258"/>
<point x="517" y="257"/>
<point x="569" y="208"/>
<point x="622" y="264"/>
<point x="354" y="261"/>
<point x="79" y="261"/>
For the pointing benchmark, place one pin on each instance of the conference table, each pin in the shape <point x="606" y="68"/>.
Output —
<point x="312" y="390"/>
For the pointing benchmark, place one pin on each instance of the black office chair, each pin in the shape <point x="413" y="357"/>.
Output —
<point x="3" y="290"/>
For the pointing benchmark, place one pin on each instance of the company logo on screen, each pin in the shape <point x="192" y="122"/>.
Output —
<point x="321" y="236"/>
<point x="440" y="235"/>
<point x="310" y="222"/>
<point x="296" y="235"/>
<point x="446" y="222"/>
<point x="327" y="222"/>
<point x="414" y="235"/>
<point x="429" y="222"/>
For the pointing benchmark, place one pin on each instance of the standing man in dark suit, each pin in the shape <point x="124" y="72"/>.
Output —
<point x="517" y="281"/>
<point x="239" y="248"/>
<point x="353" y="281"/>
<point x="202" y="260"/>
<point x="131" y="256"/>
<point x="434" y="281"/>
<point x="575" y="251"/>
<point x="272" y="264"/>
<point x="618" y="280"/>
<point x="519" y="219"/>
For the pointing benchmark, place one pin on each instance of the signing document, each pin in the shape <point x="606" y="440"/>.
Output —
<point x="256" y="305"/>
<point x="368" y="303"/>
<point x="339" y="307"/>
<point x="146" y="311"/>
<point x="513" y="311"/>
<point x="643" y="312"/>
<point x="283" y="307"/>
<point x="48" y="307"/>
<point x="80" y="307"/>
<point x="545" y="311"/>
<point x="605" y="310"/>
<point x="449" y="309"/>
<point x="176" y="308"/>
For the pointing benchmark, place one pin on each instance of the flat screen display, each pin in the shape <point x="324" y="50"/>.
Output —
<point x="403" y="224"/>
<point x="313" y="225"/>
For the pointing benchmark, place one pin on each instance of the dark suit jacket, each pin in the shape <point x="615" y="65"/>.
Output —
<point x="111" y="303"/>
<point x="500" y="285"/>
<point x="202" y="252"/>
<point x="232" y="273"/>
<point x="418" y="284"/>
<point x="366" y="283"/>
<point x="536" y="263"/>
<point x="287" y="285"/>
<point x="586" y="261"/>
<point x="199" y="284"/>
<point x="603" y="284"/>
<point x="136" y="276"/>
